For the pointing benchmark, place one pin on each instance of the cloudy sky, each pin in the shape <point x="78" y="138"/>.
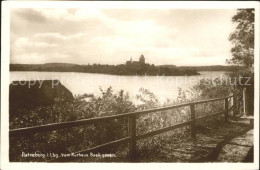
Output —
<point x="112" y="36"/>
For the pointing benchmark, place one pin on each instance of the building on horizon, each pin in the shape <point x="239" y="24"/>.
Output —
<point x="139" y="63"/>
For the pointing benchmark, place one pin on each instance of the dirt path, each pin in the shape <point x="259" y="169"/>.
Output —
<point x="216" y="141"/>
<point x="237" y="149"/>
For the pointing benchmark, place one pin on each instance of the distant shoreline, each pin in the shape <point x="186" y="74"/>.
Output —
<point x="99" y="73"/>
<point x="123" y="70"/>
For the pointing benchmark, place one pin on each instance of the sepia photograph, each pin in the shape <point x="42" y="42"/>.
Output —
<point x="130" y="83"/>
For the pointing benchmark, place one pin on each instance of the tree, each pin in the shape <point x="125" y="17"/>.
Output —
<point x="243" y="54"/>
<point x="243" y="38"/>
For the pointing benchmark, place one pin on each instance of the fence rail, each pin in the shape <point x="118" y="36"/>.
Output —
<point x="132" y="137"/>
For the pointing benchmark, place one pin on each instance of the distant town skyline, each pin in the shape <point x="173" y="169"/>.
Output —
<point x="192" y="37"/>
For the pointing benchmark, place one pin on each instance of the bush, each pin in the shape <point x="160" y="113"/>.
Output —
<point x="108" y="103"/>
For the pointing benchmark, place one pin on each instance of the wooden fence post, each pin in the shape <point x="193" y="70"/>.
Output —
<point x="193" y="128"/>
<point x="226" y="109"/>
<point x="132" y="135"/>
<point x="234" y="104"/>
<point x="245" y="100"/>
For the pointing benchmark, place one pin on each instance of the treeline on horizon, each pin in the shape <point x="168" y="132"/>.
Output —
<point x="206" y="68"/>
<point x="145" y="69"/>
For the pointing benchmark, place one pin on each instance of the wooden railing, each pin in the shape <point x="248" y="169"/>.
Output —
<point x="132" y="136"/>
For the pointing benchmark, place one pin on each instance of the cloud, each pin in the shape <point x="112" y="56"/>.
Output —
<point x="26" y="43"/>
<point x="54" y="37"/>
<point x="36" y="58"/>
<point x="30" y="15"/>
<point x="82" y="36"/>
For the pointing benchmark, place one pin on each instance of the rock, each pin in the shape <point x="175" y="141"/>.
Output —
<point x="27" y="94"/>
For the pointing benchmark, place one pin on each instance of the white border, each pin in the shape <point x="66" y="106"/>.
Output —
<point x="5" y="53"/>
<point x="133" y="4"/>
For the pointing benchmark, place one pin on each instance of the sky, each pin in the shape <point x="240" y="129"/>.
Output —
<point x="182" y="37"/>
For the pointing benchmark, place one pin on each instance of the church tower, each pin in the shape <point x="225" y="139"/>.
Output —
<point x="142" y="59"/>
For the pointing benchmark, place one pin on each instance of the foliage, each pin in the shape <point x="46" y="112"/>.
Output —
<point x="243" y="54"/>
<point x="108" y="103"/>
<point x="213" y="88"/>
<point x="243" y="38"/>
<point x="72" y="139"/>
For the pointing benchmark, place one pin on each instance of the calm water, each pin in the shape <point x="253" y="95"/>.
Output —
<point x="79" y="83"/>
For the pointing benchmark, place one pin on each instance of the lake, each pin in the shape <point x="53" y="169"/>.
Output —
<point x="79" y="83"/>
